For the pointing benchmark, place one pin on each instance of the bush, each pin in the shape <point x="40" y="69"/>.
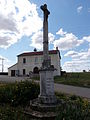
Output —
<point x="18" y="93"/>
<point x="14" y="96"/>
<point x="8" y="112"/>
<point x="74" y="108"/>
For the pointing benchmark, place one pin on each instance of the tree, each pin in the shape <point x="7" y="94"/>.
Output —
<point x="84" y="70"/>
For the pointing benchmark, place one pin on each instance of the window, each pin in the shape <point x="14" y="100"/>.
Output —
<point x="24" y="60"/>
<point x="41" y="59"/>
<point x="24" y="71"/>
<point x="36" y="60"/>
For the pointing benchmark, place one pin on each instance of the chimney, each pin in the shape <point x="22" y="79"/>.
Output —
<point x="56" y="48"/>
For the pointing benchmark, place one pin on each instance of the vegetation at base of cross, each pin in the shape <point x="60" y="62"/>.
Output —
<point x="72" y="107"/>
<point x="18" y="93"/>
<point x="7" y="112"/>
<point x="73" y="111"/>
<point x="75" y="79"/>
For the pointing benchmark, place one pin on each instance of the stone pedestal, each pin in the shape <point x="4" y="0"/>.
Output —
<point x="47" y="95"/>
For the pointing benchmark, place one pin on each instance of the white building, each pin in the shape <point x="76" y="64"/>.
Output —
<point x="32" y="61"/>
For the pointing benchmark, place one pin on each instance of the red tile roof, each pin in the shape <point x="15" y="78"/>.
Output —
<point x="37" y="53"/>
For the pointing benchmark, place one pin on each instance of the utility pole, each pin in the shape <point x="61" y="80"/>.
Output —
<point x="2" y="64"/>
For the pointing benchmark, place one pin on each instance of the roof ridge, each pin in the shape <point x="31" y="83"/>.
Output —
<point x="37" y="53"/>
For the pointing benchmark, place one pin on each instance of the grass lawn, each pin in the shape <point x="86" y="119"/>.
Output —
<point x="76" y="79"/>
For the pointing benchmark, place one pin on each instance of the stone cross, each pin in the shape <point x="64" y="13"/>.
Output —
<point x="45" y="32"/>
<point x="47" y="95"/>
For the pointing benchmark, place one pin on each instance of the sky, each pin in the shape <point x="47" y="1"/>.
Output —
<point x="21" y="24"/>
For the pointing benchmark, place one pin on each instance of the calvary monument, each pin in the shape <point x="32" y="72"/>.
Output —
<point x="46" y="102"/>
<point x="46" y="72"/>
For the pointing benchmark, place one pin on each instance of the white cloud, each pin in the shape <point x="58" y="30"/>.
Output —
<point x="87" y="38"/>
<point x="17" y="18"/>
<point x="80" y="61"/>
<point x="84" y="55"/>
<point x="70" y="54"/>
<point x="51" y="38"/>
<point x="79" y="9"/>
<point x="7" y="23"/>
<point x="67" y="41"/>
<point x="61" y="32"/>
<point x="37" y="40"/>
<point x="76" y="66"/>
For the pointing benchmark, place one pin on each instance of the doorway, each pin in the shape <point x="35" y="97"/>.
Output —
<point x="36" y="70"/>
<point x="12" y="72"/>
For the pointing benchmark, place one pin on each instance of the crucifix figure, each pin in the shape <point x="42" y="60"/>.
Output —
<point x="46" y="12"/>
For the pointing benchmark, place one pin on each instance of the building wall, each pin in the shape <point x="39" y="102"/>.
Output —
<point x="31" y="63"/>
<point x="14" y="67"/>
<point x="55" y="60"/>
<point x="35" y="61"/>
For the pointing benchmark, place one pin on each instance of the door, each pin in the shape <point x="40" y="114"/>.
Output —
<point x="24" y="71"/>
<point x="12" y="72"/>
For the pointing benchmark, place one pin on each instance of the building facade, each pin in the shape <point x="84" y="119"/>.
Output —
<point x="31" y="62"/>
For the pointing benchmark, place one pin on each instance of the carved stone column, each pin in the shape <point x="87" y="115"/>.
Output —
<point x="46" y="73"/>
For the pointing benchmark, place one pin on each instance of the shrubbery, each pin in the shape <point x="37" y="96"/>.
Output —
<point x="8" y="112"/>
<point x="14" y="97"/>
<point x="18" y="93"/>
<point x="73" y="108"/>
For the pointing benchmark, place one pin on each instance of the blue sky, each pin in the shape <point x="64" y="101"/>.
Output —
<point x="21" y="23"/>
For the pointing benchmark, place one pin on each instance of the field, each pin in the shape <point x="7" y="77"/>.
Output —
<point x="75" y="79"/>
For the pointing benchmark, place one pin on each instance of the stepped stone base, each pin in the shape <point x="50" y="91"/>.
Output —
<point x="49" y="99"/>
<point x="42" y="111"/>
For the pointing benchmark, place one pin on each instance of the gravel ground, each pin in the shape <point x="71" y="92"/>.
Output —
<point x="6" y="78"/>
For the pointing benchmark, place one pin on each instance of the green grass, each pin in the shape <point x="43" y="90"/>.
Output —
<point x="75" y="79"/>
<point x="18" y="93"/>
<point x="8" y="112"/>
<point x="14" y="97"/>
<point x="71" y="108"/>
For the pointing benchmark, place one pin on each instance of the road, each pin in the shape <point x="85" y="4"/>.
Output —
<point x="5" y="78"/>
<point x="79" y="91"/>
